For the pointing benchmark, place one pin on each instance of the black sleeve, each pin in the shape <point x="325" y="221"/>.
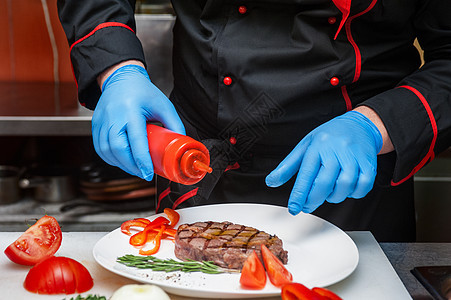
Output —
<point x="100" y="33"/>
<point x="417" y="114"/>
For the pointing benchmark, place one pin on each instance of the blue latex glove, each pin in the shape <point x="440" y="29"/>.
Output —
<point x="128" y="101"/>
<point x="334" y="161"/>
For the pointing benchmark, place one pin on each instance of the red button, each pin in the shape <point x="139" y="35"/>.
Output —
<point x="332" y="20"/>
<point x="232" y="140"/>
<point x="334" y="81"/>
<point x="242" y="9"/>
<point x="227" y="80"/>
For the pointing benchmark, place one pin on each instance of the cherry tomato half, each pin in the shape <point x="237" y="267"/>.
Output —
<point x="253" y="274"/>
<point x="277" y="273"/>
<point x="37" y="243"/>
<point x="58" y="275"/>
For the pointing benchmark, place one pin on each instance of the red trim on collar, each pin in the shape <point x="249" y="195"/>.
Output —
<point x="430" y="155"/>
<point x="358" y="57"/>
<point x="345" y="7"/>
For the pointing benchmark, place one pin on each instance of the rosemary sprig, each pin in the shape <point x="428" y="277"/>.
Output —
<point x="171" y="265"/>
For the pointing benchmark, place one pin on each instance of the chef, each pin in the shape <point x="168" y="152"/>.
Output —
<point x="317" y="105"/>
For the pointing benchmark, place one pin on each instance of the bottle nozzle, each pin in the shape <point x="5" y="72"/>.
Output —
<point x="200" y="166"/>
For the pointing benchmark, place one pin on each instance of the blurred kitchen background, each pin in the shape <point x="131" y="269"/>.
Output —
<point x="47" y="160"/>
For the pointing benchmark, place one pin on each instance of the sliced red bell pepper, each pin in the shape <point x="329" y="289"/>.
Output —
<point x="170" y="231"/>
<point x="173" y="216"/>
<point x="140" y="238"/>
<point x="151" y="235"/>
<point x="144" y="220"/>
<point x="167" y="234"/>
<point x="253" y="274"/>
<point x="326" y="293"/>
<point x="297" y="291"/>
<point x="277" y="273"/>
<point x="157" y="240"/>
<point x="138" y="222"/>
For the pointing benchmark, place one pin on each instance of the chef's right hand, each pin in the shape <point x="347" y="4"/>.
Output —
<point x="128" y="101"/>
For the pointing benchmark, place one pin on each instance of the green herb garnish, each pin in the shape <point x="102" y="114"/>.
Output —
<point x="171" y="265"/>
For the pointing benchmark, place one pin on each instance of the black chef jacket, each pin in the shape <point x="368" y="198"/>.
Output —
<point x="252" y="78"/>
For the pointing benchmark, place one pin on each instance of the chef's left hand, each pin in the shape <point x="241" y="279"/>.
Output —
<point x="335" y="161"/>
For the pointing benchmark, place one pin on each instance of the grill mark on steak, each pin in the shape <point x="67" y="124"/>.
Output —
<point x="226" y="244"/>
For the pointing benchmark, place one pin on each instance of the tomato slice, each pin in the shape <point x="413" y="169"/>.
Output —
<point x="326" y="293"/>
<point x="58" y="275"/>
<point x="277" y="273"/>
<point x="37" y="243"/>
<point x="173" y="216"/>
<point x="297" y="291"/>
<point x="253" y="274"/>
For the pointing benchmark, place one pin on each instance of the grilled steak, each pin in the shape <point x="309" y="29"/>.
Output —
<point x="226" y="244"/>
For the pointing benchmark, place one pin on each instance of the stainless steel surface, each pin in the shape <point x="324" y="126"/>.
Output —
<point x="154" y="7"/>
<point x="41" y="108"/>
<point x="155" y="34"/>
<point x="47" y="109"/>
<point x="45" y="126"/>
<point x="14" y="216"/>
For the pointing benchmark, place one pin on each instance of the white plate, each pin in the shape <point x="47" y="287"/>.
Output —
<point x="319" y="253"/>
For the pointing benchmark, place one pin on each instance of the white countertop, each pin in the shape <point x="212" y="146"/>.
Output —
<point x="374" y="277"/>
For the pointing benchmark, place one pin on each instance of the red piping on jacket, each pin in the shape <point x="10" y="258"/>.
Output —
<point x="98" y="27"/>
<point x="161" y="196"/>
<point x="101" y="26"/>
<point x="358" y="57"/>
<point x="430" y="155"/>
<point x="184" y="197"/>
<point x="232" y="167"/>
<point x="344" y="91"/>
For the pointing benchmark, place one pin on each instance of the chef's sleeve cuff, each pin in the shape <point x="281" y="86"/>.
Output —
<point x="107" y="45"/>
<point x="411" y="126"/>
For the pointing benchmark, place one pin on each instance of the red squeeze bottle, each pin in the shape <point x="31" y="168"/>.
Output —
<point x="177" y="157"/>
